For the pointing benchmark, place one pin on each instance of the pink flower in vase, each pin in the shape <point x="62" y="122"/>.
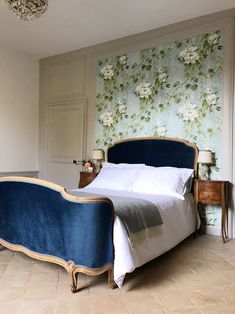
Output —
<point x="87" y="165"/>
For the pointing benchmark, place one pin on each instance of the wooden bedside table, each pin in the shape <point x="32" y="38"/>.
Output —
<point x="211" y="192"/>
<point x="86" y="178"/>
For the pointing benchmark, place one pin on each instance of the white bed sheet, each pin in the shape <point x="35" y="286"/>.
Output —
<point x="178" y="223"/>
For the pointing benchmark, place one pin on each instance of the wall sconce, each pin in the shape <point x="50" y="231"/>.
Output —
<point x="204" y="159"/>
<point x="98" y="155"/>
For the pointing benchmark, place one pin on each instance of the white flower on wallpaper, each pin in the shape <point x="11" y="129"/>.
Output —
<point x="106" y="118"/>
<point x="211" y="97"/>
<point x="121" y="108"/>
<point x="161" y="76"/>
<point x="160" y="130"/>
<point x="190" y="54"/>
<point x="213" y="39"/>
<point x="160" y="70"/>
<point x="123" y="60"/>
<point x="209" y="91"/>
<point x="144" y="90"/>
<point x="188" y="112"/>
<point x="107" y="72"/>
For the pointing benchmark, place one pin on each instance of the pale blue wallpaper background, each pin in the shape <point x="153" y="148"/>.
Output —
<point x="172" y="90"/>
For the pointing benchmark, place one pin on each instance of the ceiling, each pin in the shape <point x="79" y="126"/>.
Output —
<point x="72" y="24"/>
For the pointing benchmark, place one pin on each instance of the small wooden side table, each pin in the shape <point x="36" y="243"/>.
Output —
<point x="86" y="178"/>
<point x="212" y="192"/>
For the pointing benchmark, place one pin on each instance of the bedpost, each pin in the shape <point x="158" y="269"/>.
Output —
<point x="73" y="275"/>
<point x="111" y="281"/>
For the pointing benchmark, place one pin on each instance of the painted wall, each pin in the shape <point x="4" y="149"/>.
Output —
<point x="19" y="85"/>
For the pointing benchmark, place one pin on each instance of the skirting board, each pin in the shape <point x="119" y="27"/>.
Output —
<point x="31" y="174"/>
<point x="211" y="230"/>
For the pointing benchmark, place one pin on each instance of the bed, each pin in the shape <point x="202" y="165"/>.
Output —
<point x="79" y="230"/>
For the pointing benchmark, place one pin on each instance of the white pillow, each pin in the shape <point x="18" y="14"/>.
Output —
<point x="162" y="180"/>
<point x="115" y="178"/>
<point x="121" y="165"/>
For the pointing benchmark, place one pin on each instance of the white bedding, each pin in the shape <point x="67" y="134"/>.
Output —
<point x="178" y="222"/>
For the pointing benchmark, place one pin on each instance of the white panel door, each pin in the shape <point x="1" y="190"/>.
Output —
<point x="65" y="142"/>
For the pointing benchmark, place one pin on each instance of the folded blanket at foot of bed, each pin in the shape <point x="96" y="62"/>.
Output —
<point x="137" y="215"/>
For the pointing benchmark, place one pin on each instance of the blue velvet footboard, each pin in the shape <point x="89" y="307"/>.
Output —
<point x="48" y="221"/>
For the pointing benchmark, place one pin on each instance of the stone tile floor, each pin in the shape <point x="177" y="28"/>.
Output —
<point x="198" y="276"/>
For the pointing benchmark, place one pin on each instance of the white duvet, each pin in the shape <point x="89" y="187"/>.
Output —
<point x="178" y="223"/>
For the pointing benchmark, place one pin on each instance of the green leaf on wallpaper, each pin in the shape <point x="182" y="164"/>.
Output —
<point x="194" y="87"/>
<point x="178" y="44"/>
<point x="176" y="84"/>
<point x="177" y="98"/>
<point x="134" y="65"/>
<point x="212" y="71"/>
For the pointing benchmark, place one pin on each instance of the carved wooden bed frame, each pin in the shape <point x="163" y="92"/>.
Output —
<point x="77" y="232"/>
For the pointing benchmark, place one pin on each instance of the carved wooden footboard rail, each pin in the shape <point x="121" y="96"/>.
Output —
<point x="41" y="220"/>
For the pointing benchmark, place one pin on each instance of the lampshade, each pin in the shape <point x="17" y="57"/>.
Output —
<point x="205" y="157"/>
<point x="98" y="154"/>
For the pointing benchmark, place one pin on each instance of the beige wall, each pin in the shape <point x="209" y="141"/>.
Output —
<point x="19" y="86"/>
<point x="87" y="77"/>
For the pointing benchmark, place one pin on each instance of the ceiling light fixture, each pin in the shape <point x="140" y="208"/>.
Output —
<point x="28" y="10"/>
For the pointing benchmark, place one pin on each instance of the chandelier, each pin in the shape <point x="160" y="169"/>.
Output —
<point x="27" y="10"/>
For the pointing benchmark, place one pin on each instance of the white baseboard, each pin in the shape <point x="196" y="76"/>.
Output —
<point x="31" y="174"/>
<point x="211" y="230"/>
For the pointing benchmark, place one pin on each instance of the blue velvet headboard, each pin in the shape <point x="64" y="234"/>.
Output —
<point x="155" y="151"/>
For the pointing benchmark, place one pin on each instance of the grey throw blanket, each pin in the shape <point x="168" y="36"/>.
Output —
<point x="136" y="214"/>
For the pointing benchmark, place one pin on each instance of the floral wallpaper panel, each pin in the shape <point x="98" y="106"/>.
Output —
<point x="170" y="90"/>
